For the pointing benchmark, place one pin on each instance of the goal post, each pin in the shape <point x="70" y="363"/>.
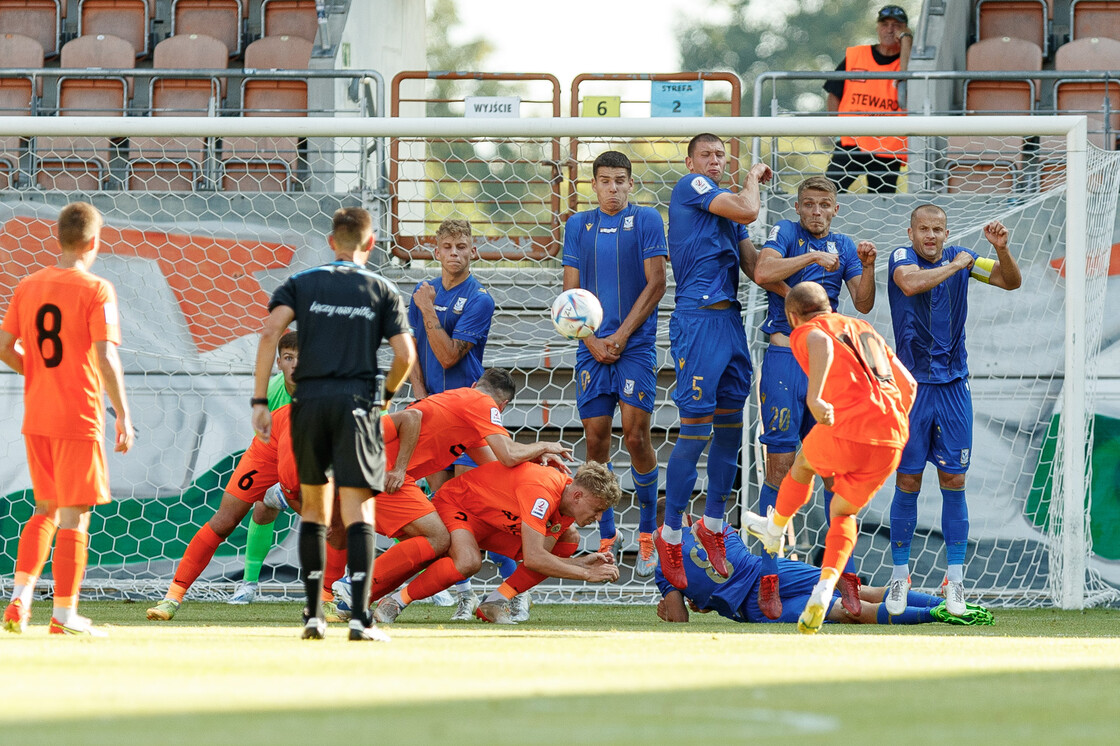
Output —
<point x="195" y="269"/>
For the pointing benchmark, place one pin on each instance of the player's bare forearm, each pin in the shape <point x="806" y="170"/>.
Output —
<point x="9" y="352"/>
<point x="1006" y="273"/>
<point x="863" y="296"/>
<point x="820" y="362"/>
<point x="647" y="301"/>
<point x="539" y="559"/>
<point x="112" y="379"/>
<point x="511" y="453"/>
<point x="448" y="351"/>
<point x="416" y="378"/>
<point x="407" y="422"/>
<point x="773" y="267"/>
<point x="278" y="320"/>
<point x="914" y="281"/>
<point x="404" y="357"/>
<point x="571" y="278"/>
<point x="672" y="608"/>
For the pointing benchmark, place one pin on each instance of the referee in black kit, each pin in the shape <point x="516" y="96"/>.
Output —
<point x="343" y="311"/>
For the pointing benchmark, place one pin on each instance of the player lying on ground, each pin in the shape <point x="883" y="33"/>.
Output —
<point x="736" y="597"/>
<point x="525" y="513"/>
<point x="860" y="395"/>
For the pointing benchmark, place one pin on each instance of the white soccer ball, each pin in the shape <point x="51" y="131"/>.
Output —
<point x="577" y="313"/>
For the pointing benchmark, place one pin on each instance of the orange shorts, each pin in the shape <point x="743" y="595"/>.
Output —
<point x="486" y="536"/>
<point x="392" y="512"/>
<point x="858" y="469"/>
<point x="66" y="471"/>
<point x="252" y="478"/>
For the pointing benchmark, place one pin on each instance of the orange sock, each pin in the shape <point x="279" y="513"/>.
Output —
<point x="839" y="542"/>
<point x="34" y="547"/>
<point x="792" y="495"/>
<point x="69" y="566"/>
<point x="399" y="563"/>
<point x="335" y="569"/>
<point x="440" y="574"/>
<point x="195" y="559"/>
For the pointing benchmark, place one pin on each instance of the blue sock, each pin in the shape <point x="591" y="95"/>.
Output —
<point x="723" y="461"/>
<point x="681" y="473"/>
<point x="506" y="566"/>
<point x="917" y="598"/>
<point x="904" y="519"/>
<point x="912" y="615"/>
<point x="851" y="565"/>
<point x="954" y="525"/>
<point x="607" y="528"/>
<point x="767" y="498"/>
<point x="645" y="485"/>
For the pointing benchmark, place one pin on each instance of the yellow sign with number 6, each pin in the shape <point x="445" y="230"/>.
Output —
<point x="602" y="106"/>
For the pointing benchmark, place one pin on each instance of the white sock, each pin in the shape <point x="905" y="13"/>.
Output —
<point x="715" y="525"/>
<point x="464" y="590"/>
<point x="63" y="614"/>
<point x="19" y="591"/>
<point x="670" y="535"/>
<point x="956" y="573"/>
<point x="495" y="597"/>
<point x="900" y="572"/>
<point x="397" y="597"/>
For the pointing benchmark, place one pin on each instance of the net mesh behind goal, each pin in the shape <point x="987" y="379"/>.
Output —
<point x="194" y="270"/>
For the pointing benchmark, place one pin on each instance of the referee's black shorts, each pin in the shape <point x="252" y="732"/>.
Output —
<point x="340" y="432"/>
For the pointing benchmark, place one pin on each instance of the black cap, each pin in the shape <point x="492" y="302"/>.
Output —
<point x="889" y="12"/>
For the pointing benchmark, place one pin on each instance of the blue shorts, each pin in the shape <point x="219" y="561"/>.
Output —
<point x="785" y="418"/>
<point x="795" y="585"/>
<point x="940" y="428"/>
<point x="463" y="460"/>
<point x="600" y="387"/>
<point x="711" y="360"/>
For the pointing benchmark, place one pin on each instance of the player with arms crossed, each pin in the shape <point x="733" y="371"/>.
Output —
<point x="61" y="333"/>
<point x="927" y="286"/>
<point x="525" y="513"/>
<point x="806" y="250"/>
<point x="617" y="251"/>
<point x="859" y="395"/>
<point x="736" y="597"/>
<point x="708" y="244"/>
<point x="344" y="312"/>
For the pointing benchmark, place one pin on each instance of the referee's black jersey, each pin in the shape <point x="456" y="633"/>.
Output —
<point x="343" y="311"/>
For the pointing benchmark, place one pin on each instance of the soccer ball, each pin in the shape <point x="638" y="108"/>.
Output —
<point x="576" y="313"/>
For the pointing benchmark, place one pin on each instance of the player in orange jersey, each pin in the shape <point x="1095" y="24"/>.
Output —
<point x="525" y="513"/>
<point x="61" y="332"/>
<point x="860" y="396"/>
<point x="446" y="425"/>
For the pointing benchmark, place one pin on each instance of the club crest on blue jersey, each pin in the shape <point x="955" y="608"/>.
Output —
<point x="628" y="223"/>
<point x="459" y="304"/>
<point x="830" y="247"/>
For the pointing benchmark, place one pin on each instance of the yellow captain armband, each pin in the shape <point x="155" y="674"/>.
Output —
<point x="982" y="270"/>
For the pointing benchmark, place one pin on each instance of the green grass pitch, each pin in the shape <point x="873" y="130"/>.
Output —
<point x="574" y="674"/>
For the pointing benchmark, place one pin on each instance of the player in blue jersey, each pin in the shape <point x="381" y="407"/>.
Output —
<point x="618" y="252"/>
<point x="736" y="596"/>
<point x="450" y="318"/>
<point x="708" y="245"/>
<point x="805" y="250"/>
<point x="927" y="284"/>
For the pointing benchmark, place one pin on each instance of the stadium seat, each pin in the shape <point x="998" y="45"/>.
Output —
<point x="128" y="19"/>
<point x="291" y="18"/>
<point x="267" y="164"/>
<point x="1089" y="97"/>
<point x="176" y="164"/>
<point x="1020" y="19"/>
<point x="82" y="163"/>
<point x="222" y="19"/>
<point x="1089" y="18"/>
<point x="17" y="98"/>
<point x="39" y="19"/>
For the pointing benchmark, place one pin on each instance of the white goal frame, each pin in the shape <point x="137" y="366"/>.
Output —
<point x="1071" y="482"/>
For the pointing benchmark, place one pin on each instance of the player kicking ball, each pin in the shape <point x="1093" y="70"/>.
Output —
<point x="736" y="597"/>
<point x="860" y="396"/>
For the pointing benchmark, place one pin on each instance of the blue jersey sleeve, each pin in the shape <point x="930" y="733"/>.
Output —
<point x="900" y="257"/>
<point x="474" y="325"/>
<point x="781" y="237"/>
<point x="700" y="192"/>
<point x="651" y="233"/>
<point x="571" y="241"/>
<point x="849" y="259"/>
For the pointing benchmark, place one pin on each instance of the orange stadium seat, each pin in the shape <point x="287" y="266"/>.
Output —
<point x="291" y="18"/>
<point x="1089" y="96"/>
<point x="267" y="164"/>
<point x="128" y="19"/>
<point x="1019" y="19"/>
<point x="176" y="164"/>
<point x="1094" y="18"/>
<point x="39" y="19"/>
<point x="17" y="97"/>
<point x="221" y="19"/>
<point x="993" y="164"/>
<point x="82" y="163"/>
